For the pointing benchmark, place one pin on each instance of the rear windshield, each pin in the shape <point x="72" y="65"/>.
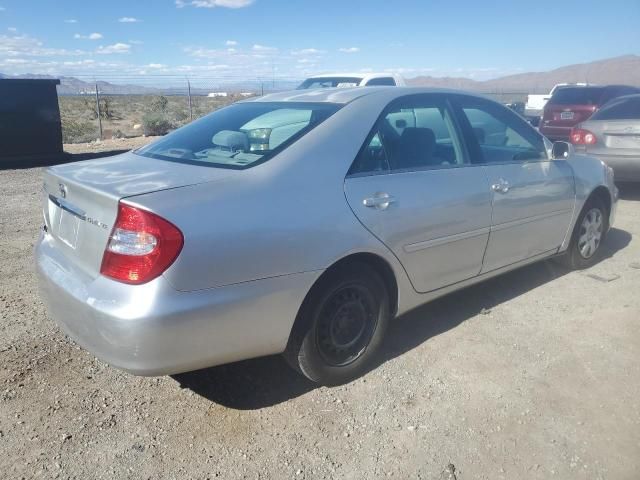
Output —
<point x="330" y="82"/>
<point x="620" y="109"/>
<point x="241" y="135"/>
<point x="577" y="96"/>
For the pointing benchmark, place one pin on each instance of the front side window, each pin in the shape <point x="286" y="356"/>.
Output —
<point x="414" y="133"/>
<point x="241" y="135"/>
<point x="382" y="81"/>
<point x="499" y="134"/>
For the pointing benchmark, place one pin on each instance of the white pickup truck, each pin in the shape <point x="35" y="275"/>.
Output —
<point x="535" y="103"/>
<point x="352" y="80"/>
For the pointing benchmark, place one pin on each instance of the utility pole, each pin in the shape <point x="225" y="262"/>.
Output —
<point x="189" y="93"/>
<point x="273" y="75"/>
<point x="98" y="112"/>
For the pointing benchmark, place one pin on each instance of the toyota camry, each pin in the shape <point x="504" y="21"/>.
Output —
<point x="303" y="223"/>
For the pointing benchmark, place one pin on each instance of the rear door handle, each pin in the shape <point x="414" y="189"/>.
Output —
<point x="379" y="201"/>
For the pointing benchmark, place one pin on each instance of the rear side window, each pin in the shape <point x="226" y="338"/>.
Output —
<point x="499" y="135"/>
<point x="241" y="135"/>
<point x="577" y="96"/>
<point x="619" y="109"/>
<point x="383" y="81"/>
<point x="414" y="133"/>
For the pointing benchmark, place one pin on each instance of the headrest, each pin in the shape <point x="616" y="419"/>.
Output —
<point x="232" y="140"/>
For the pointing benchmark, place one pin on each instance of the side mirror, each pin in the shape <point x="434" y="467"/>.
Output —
<point x="561" y="150"/>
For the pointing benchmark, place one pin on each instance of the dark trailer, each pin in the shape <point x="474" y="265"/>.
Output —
<point x="30" y="127"/>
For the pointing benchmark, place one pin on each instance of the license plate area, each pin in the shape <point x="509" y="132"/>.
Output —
<point x="566" y="115"/>
<point x="623" y="141"/>
<point x="68" y="228"/>
<point x="64" y="225"/>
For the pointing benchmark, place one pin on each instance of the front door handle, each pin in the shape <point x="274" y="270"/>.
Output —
<point x="379" y="201"/>
<point x="502" y="186"/>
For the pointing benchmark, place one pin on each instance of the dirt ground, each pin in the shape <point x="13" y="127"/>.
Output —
<point x="533" y="375"/>
<point x="81" y="151"/>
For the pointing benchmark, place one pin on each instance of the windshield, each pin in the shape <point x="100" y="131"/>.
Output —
<point x="577" y="96"/>
<point x="620" y="109"/>
<point x="329" y="82"/>
<point x="241" y="135"/>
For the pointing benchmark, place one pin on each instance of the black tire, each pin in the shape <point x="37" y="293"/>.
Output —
<point x="340" y="326"/>
<point x="575" y="258"/>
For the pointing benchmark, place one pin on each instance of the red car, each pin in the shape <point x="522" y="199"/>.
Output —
<point x="571" y="105"/>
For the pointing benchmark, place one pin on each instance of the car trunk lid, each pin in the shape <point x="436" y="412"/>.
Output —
<point x="80" y="200"/>
<point x="566" y="115"/>
<point x="614" y="137"/>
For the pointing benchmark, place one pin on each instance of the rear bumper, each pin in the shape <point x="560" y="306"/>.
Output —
<point x="153" y="329"/>
<point x="556" y="133"/>
<point x="626" y="168"/>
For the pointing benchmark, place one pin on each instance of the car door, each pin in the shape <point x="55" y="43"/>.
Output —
<point x="413" y="188"/>
<point x="533" y="196"/>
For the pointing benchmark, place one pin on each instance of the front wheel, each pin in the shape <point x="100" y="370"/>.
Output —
<point x="588" y="236"/>
<point x="340" y="326"/>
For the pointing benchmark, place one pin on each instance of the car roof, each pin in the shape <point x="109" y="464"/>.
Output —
<point x="352" y="74"/>
<point x="631" y="96"/>
<point x="595" y="85"/>
<point x="347" y="95"/>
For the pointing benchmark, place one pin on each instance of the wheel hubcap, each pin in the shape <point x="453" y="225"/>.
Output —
<point x="590" y="233"/>
<point x="346" y="323"/>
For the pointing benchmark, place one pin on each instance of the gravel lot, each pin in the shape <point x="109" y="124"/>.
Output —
<point x="535" y="374"/>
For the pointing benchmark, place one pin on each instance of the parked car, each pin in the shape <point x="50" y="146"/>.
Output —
<point x="517" y="107"/>
<point x="612" y="134"/>
<point x="343" y="80"/>
<point x="571" y="105"/>
<point x="536" y="102"/>
<point x="219" y="242"/>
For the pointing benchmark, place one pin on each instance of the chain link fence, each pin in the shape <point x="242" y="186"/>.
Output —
<point x="130" y="106"/>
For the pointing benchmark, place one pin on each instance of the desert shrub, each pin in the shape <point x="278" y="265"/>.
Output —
<point x="180" y="116"/>
<point x="156" y="124"/>
<point x="159" y="104"/>
<point x="106" y="108"/>
<point x="78" y="131"/>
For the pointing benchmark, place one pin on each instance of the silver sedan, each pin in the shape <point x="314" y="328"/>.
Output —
<point x="304" y="222"/>
<point x="612" y="134"/>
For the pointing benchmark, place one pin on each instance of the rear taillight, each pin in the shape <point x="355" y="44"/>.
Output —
<point x="580" y="136"/>
<point x="141" y="247"/>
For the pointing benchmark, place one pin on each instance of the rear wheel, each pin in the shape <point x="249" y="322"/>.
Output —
<point x="588" y="235"/>
<point x="340" y="326"/>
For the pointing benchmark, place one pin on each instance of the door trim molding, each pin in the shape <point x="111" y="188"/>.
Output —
<point x="534" y="218"/>
<point x="415" y="247"/>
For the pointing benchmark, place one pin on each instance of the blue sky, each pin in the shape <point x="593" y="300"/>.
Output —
<point x="293" y="38"/>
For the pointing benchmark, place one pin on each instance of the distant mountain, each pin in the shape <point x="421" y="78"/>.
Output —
<point x="625" y="70"/>
<point x="459" y="83"/>
<point x="75" y="86"/>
